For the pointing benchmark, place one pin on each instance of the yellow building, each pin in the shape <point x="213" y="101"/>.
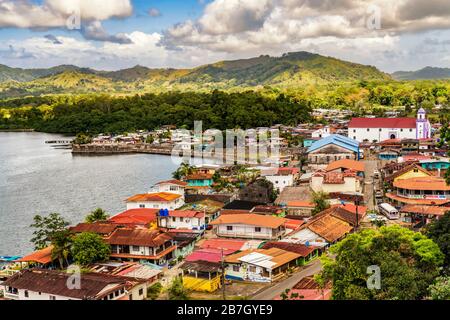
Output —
<point x="202" y="276"/>
<point x="409" y="172"/>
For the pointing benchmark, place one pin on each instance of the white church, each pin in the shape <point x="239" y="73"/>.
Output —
<point x="381" y="129"/>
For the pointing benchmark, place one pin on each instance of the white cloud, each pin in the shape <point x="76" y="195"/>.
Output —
<point x="56" y="13"/>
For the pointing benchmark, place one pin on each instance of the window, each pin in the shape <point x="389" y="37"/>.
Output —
<point x="236" y="268"/>
<point x="401" y="130"/>
<point x="181" y="219"/>
<point x="410" y="130"/>
<point x="141" y="292"/>
<point x="354" y="131"/>
<point x="368" y="130"/>
<point x="252" y="269"/>
<point x="136" y="248"/>
<point x="381" y="130"/>
<point x="142" y="206"/>
<point x="354" y="138"/>
<point x="229" y="228"/>
<point x="174" y="219"/>
<point x="52" y="298"/>
<point x="257" y="229"/>
<point x="26" y="294"/>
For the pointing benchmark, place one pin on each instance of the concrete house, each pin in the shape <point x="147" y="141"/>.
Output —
<point x="182" y="219"/>
<point x="170" y="186"/>
<point x="336" y="182"/>
<point x="250" y="226"/>
<point x="332" y="148"/>
<point x="161" y="200"/>
<point x="262" y="265"/>
<point x="37" y="284"/>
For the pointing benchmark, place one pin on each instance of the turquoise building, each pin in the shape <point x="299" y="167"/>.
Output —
<point x="435" y="164"/>
<point x="200" y="180"/>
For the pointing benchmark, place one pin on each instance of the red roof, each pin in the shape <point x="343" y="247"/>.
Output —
<point x="154" y="197"/>
<point x="209" y="255"/>
<point x="286" y="170"/>
<point x="43" y="256"/>
<point x="186" y="214"/>
<point x="135" y="217"/>
<point x="226" y="244"/>
<point x="176" y="182"/>
<point x="402" y="123"/>
<point x="362" y="210"/>
<point x="415" y="157"/>
<point x="294" y="224"/>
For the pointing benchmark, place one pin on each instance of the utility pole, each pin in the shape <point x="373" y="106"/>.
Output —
<point x="357" y="215"/>
<point x="223" y="277"/>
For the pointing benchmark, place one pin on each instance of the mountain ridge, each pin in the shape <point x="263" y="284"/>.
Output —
<point x="427" y="73"/>
<point x="293" y="69"/>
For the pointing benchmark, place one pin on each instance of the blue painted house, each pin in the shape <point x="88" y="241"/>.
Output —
<point x="308" y="142"/>
<point x="442" y="164"/>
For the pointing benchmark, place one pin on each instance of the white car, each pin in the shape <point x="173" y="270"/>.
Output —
<point x="375" y="217"/>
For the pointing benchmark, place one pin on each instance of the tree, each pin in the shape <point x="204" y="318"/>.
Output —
<point x="89" y="248"/>
<point x="46" y="228"/>
<point x="97" y="215"/>
<point x="408" y="261"/>
<point x="440" y="289"/>
<point x="183" y="171"/>
<point x="321" y="203"/>
<point x="439" y="232"/>
<point x="150" y="139"/>
<point x="62" y="243"/>
<point x="177" y="291"/>
<point x="82" y="139"/>
<point x="154" y="291"/>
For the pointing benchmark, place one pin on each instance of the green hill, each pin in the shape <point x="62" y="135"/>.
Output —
<point x="288" y="71"/>
<point x="428" y="73"/>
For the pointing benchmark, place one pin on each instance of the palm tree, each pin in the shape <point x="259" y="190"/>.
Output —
<point x="183" y="171"/>
<point x="97" y="215"/>
<point x="62" y="244"/>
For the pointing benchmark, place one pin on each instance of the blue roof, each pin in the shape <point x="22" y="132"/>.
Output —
<point x="338" y="140"/>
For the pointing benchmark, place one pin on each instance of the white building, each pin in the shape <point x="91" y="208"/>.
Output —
<point x="182" y="219"/>
<point x="250" y="226"/>
<point x="281" y="181"/>
<point x="336" y="182"/>
<point x="322" y="133"/>
<point x="160" y="200"/>
<point x="170" y="186"/>
<point x="381" y="129"/>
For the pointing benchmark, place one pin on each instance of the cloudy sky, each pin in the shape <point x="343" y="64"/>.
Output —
<point x="115" y="34"/>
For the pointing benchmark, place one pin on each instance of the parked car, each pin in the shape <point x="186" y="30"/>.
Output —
<point x="376" y="174"/>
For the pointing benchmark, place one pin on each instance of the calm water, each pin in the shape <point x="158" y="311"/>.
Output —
<point x="38" y="179"/>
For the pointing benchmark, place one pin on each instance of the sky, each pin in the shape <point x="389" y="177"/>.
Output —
<point x="116" y="34"/>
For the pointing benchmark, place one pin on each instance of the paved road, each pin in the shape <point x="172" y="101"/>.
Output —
<point x="277" y="289"/>
<point x="371" y="166"/>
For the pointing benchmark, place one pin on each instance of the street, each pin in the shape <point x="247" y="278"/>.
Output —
<point x="277" y="289"/>
<point x="369" y="183"/>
